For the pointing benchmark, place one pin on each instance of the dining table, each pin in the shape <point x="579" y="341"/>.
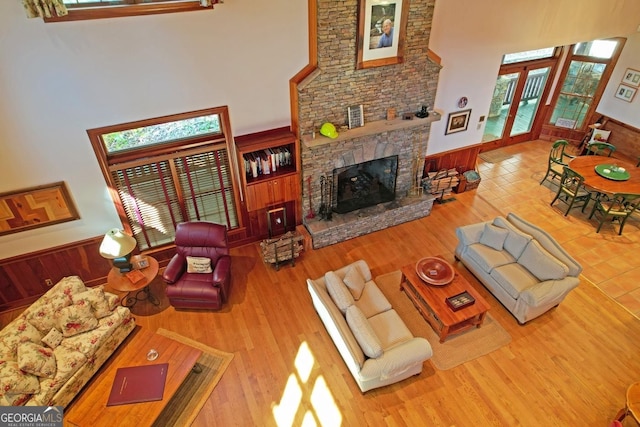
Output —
<point x="607" y="174"/>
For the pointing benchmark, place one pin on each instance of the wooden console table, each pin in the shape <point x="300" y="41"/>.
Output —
<point x="90" y="407"/>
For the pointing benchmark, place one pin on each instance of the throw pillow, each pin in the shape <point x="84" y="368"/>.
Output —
<point x="53" y="338"/>
<point x="364" y="333"/>
<point x="198" y="265"/>
<point x="96" y="299"/>
<point x="599" y="135"/>
<point x="13" y="380"/>
<point x="75" y="319"/>
<point x="338" y="291"/>
<point x="493" y="236"/>
<point x="37" y="360"/>
<point x="541" y="263"/>
<point x="354" y="281"/>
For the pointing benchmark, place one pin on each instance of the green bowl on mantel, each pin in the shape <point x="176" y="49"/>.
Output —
<point x="612" y="172"/>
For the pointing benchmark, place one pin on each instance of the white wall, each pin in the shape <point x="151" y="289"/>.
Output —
<point x="58" y="80"/>
<point x="471" y="36"/>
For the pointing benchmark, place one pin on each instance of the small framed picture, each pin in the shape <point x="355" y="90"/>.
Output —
<point x="458" y="122"/>
<point x="141" y="263"/>
<point x="631" y="77"/>
<point x="626" y="93"/>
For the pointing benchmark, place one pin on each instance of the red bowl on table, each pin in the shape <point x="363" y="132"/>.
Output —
<point x="435" y="271"/>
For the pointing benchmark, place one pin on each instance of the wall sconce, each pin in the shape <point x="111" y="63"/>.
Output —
<point x="118" y="246"/>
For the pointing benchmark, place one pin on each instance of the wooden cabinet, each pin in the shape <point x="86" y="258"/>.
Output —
<point x="261" y="195"/>
<point x="270" y="167"/>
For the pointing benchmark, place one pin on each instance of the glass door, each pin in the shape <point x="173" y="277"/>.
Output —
<point x="516" y="99"/>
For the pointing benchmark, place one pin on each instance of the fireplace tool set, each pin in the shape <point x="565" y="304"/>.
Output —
<point x="326" y="198"/>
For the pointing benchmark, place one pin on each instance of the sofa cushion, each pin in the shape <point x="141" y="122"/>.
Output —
<point x="19" y="331"/>
<point x="198" y="265"/>
<point x="67" y="363"/>
<point x="516" y="240"/>
<point x="513" y="278"/>
<point x="14" y="381"/>
<point x="362" y="330"/>
<point x="547" y="242"/>
<point x="390" y="329"/>
<point x="53" y="338"/>
<point x="75" y="319"/>
<point x="37" y="360"/>
<point x="488" y="258"/>
<point x="96" y="299"/>
<point x="42" y="313"/>
<point x="493" y="236"/>
<point x="541" y="263"/>
<point x="354" y="281"/>
<point x="372" y="301"/>
<point x="338" y="291"/>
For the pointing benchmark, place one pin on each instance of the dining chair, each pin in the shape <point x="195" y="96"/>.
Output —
<point x="618" y="206"/>
<point x="600" y="149"/>
<point x="558" y="159"/>
<point x="572" y="190"/>
<point x="632" y="406"/>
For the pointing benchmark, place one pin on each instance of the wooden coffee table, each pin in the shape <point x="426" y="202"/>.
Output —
<point x="431" y="303"/>
<point x="90" y="407"/>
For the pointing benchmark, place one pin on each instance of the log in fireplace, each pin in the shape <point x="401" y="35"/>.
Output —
<point x="365" y="184"/>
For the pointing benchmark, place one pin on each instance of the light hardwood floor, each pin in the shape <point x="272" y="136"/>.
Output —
<point x="569" y="367"/>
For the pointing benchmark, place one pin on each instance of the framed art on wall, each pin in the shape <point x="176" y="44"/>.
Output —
<point x="631" y="77"/>
<point x="381" y="31"/>
<point x="458" y="122"/>
<point x="626" y="93"/>
<point x="35" y="207"/>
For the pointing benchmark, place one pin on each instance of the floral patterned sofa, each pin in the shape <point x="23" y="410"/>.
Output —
<point x="55" y="346"/>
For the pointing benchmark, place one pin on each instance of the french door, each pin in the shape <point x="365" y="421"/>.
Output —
<point x="520" y="90"/>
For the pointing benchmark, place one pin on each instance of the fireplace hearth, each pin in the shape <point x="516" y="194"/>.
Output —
<point x="365" y="184"/>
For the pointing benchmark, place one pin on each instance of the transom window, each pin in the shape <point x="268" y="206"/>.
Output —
<point x="168" y="170"/>
<point x="96" y="9"/>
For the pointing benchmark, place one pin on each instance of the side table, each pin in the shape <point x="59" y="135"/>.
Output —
<point x="120" y="282"/>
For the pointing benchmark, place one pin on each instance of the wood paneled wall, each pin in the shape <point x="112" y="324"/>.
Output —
<point x="626" y="138"/>
<point x="462" y="159"/>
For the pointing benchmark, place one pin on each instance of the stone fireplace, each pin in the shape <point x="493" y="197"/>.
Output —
<point x="334" y="85"/>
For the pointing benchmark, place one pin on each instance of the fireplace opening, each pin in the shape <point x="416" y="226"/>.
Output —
<point x="365" y="184"/>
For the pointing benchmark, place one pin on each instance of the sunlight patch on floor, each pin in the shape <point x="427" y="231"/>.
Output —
<point x="302" y="393"/>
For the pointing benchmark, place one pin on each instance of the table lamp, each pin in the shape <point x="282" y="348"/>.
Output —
<point x="118" y="246"/>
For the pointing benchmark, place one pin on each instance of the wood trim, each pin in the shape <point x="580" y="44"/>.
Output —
<point x="128" y="10"/>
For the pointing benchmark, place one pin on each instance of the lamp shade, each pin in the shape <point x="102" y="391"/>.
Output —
<point x="116" y="244"/>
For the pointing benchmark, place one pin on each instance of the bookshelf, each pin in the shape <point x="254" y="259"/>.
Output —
<point x="270" y="171"/>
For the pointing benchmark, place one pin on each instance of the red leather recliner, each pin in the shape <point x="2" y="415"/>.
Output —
<point x="199" y="290"/>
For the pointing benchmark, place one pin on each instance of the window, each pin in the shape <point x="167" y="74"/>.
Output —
<point x="585" y="76"/>
<point x="169" y="170"/>
<point x="528" y="55"/>
<point x="96" y="9"/>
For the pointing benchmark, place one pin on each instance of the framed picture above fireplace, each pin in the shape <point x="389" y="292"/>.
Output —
<point x="458" y="121"/>
<point x="381" y="31"/>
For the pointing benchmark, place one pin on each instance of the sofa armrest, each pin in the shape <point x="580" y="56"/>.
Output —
<point x="470" y="234"/>
<point x="398" y="359"/>
<point x="222" y="270"/>
<point x="549" y="292"/>
<point x="174" y="269"/>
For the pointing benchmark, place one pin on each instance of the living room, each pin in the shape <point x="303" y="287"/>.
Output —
<point x="149" y="81"/>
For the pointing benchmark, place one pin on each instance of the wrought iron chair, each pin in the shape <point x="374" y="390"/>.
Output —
<point x="572" y="191"/>
<point x="618" y="206"/>
<point x="558" y="159"/>
<point x="600" y="149"/>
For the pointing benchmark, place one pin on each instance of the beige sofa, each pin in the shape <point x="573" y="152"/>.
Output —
<point x="374" y="342"/>
<point x="521" y="264"/>
<point x="50" y="351"/>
